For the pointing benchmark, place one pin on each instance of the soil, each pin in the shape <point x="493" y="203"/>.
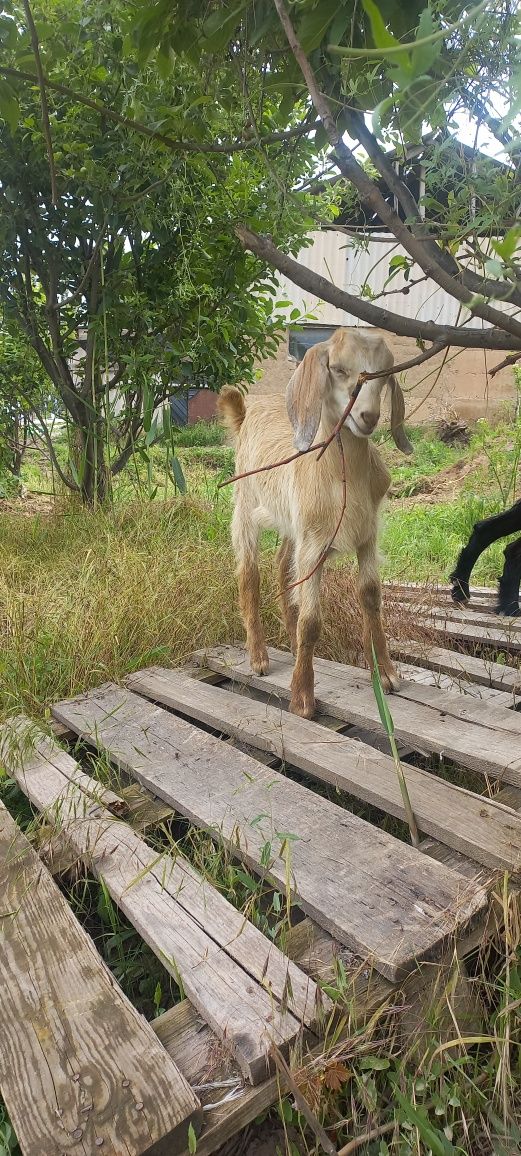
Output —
<point x="443" y="487"/>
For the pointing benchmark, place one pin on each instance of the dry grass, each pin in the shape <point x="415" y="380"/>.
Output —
<point x="89" y="597"/>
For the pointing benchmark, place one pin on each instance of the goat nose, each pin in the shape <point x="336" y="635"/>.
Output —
<point x="369" y="419"/>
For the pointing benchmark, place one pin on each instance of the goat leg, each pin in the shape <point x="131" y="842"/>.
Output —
<point x="249" y="604"/>
<point x="509" y="582"/>
<point x="370" y="594"/>
<point x="289" y="598"/>
<point x="309" y="625"/>
<point x="483" y="535"/>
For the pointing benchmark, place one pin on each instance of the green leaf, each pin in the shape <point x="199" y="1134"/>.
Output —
<point x="508" y="245"/>
<point x="220" y="26"/>
<point x="381" y="701"/>
<point x="424" y="56"/>
<point x="192" y="1140"/>
<point x="315" y="23"/>
<point x="382" y="37"/>
<point x="9" y="107"/>
<point x="178" y="475"/>
<point x="432" y="1137"/>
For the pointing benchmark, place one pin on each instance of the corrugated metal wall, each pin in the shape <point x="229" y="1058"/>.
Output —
<point x="349" y="265"/>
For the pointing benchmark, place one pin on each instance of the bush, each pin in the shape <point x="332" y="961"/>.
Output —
<point x="202" y="433"/>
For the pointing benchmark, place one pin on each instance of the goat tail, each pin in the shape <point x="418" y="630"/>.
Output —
<point x="231" y="409"/>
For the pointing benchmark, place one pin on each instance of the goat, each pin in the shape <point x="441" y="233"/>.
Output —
<point x="303" y="499"/>
<point x="483" y="535"/>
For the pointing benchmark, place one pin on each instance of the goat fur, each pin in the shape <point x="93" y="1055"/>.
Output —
<point x="303" y="499"/>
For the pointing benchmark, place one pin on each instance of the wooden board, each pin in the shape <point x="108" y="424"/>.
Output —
<point x="476" y="735"/>
<point x="380" y="897"/>
<point x="80" y="1069"/>
<point x="466" y="630"/>
<point x="479" y="671"/>
<point x="239" y="981"/>
<point x="475" y="615"/>
<point x="433" y="677"/>
<point x="486" y="831"/>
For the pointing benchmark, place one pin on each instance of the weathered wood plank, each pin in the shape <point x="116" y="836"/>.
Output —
<point x="481" y="671"/>
<point x="474" y="615"/>
<point x="494" y="637"/>
<point x="80" y="1069"/>
<point x="377" y="895"/>
<point x="448" y="730"/>
<point x="458" y="686"/>
<point x="239" y="981"/>
<point x="483" y="829"/>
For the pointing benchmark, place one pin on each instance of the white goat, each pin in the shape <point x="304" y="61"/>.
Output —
<point x="303" y="500"/>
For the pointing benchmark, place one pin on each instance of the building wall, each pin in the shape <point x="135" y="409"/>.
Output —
<point x="458" y="381"/>
<point x="202" y="406"/>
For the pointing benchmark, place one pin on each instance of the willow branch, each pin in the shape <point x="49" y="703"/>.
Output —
<point x="43" y="99"/>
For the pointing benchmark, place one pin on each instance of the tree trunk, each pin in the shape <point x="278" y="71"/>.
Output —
<point x="91" y="466"/>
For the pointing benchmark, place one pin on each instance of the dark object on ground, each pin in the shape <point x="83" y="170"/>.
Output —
<point x="483" y="535"/>
<point x="453" y="432"/>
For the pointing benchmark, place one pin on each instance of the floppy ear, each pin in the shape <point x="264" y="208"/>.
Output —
<point x="305" y="394"/>
<point x="397" y="415"/>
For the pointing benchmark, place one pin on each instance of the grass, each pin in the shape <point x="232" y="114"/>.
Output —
<point x="86" y="597"/>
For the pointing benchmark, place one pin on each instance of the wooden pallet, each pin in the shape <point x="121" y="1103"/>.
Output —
<point x="213" y="743"/>
<point x="474" y="623"/>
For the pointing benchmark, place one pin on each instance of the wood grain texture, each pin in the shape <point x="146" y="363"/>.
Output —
<point x="501" y="634"/>
<point x="480" y="671"/>
<point x="78" y="1064"/>
<point x="479" y="736"/>
<point x="377" y="895"/>
<point x="486" y="831"/>
<point x="239" y="981"/>
<point x="455" y="684"/>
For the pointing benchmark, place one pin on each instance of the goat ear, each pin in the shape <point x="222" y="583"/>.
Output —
<point x="397" y="417"/>
<point x="305" y="394"/>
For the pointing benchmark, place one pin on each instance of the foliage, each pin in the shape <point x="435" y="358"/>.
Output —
<point x="118" y="257"/>
<point x="417" y="70"/>
<point x="24" y="389"/>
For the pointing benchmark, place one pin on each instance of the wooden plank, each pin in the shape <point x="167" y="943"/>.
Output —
<point x="456" y="685"/>
<point x="379" y="896"/>
<point x="193" y="1046"/>
<point x="474" y="615"/>
<point x="199" y="937"/>
<point x="451" y="731"/>
<point x="481" y="671"/>
<point x="438" y="588"/>
<point x="492" y="637"/>
<point x="478" y="827"/>
<point x="79" y="1067"/>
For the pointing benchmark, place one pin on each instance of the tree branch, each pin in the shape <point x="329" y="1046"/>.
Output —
<point x="314" y="283"/>
<point x="43" y="99"/>
<point x="419" y="248"/>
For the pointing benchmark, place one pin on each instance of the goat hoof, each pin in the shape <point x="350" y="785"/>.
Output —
<point x="390" y="680"/>
<point x="303" y="705"/>
<point x="460" y="589"/>
<point x="511" y="610"/>
<point x="259" y="661"/>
